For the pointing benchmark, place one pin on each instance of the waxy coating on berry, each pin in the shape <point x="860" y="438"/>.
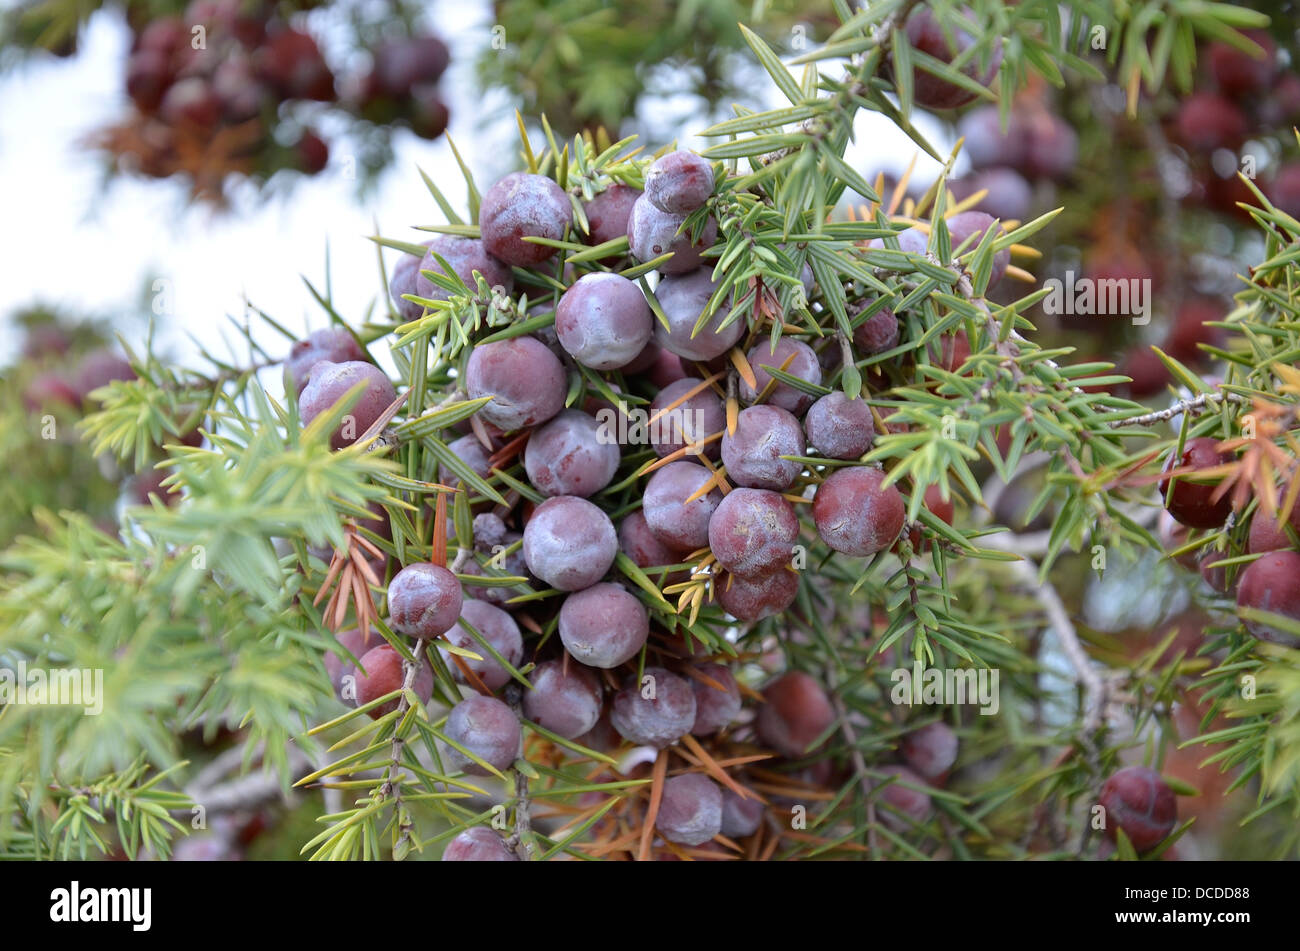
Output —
<point x="838" y="427"/>
<point x="487" y="728"/>
<point x="569" y="543"/>
<point x="791" y="356"/>
<point x="679" y="182"/>
<point x="479" y="844"/>
<point x="690" y="810"/>
<point x="691" y="419"/>
<point x="741" y="817"/>
<point x="683" y="300"/>
<point x="652" y="233"/>
<point x="526" y="381"/>
<point x="1008" y="195"/>
<point x="753" y="598"/>
<point x="470" y="451"/>
<point x="930" y="750"/>
<point x="464" y="256"/>
<point x="330" y="382"/>
<point x="568" y="703"/>
<point x="328" y="344"/>
<point x="753" y="531"/>
<point x="381" y="671"/>
<point x="717" y="699"/>
<point x="877" y="333"/>
<point x="1267" y="534"/>
<point x="673" y="520"/>
<point x="603" y="626"/>
<point x="608" y="212"/>
<point x="356" y="642"/>
<point x="640" y="544"/>
<point x="1272" y="583"/>
<point x="570" y="455"/>
<point x="753" y="453"/>
<point x="523" y="206"/>
<point x="656" y="711"/>
<point x="496" y="627"/>
<point x="603" y="321"/>
<point x="424" y="600"/>
<point x="904" y="806"/>
<point x="966" y="224"/>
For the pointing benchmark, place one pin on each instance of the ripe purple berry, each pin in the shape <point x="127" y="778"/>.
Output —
<point x="479" y="844"/>
<point x="925" y="34"/>
<point x="838" y="427"/>
<point x="655" y="712"/>
<point x="424" y="600"/>
<point x="1009" y="195"/>
<point x="652" y="232"/>
<point x="330" y="382"/>
<point x="566" y="703"/>
<point x="569" y="543"/>
<point x="608" y="212"/>
<point x="796" y="712"/>
<point x="603" y="321"/>
<point x="1272" y="583"/>
<point x="603" y="626"/>
<point x="1138" y="801"/>
<point x="753" y="531"/>
<point x="100" y="368"/>
<point x="797" y="359"/>
<point x="464" y="256"/>
<point x="381" y="672"/>
<point x="523" y="206"/>
<point x="877" y="333"/>
<point x="1193" y="503"/>
<point x="753" y="598"/>
<point x="683" y="299"/>
<point x="931" y="750"/>
<point x="693" y="418"/>
<point x="740" y="817"/>
<point x="526" y="381"/>
<point x="329" y="344"/>
<point x="405" y="279"/>
<point x="356" y="642"/>
<point x="679" y="182"/>
<point x="854" y="515"/>
<point x="148" y="73"/>
<point x="914" y="805"/>
<point x="487" y="728"/>
<point x="986" y="144"/>
<point x="690" y="812"/>
<point x="570" y="455"/>
<point x="673" y="520"/>
<point x="717" y="699"/>
<point x="964" y="224"/>
<point x="496" y="627"/>
<point x="640" y="544"/>
<point x="752" y="454"/>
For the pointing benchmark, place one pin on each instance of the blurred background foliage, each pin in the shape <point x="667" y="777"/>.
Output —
<point x="589" y="64"/>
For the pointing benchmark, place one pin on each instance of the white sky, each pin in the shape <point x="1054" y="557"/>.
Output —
<point x="65" y="241"/>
